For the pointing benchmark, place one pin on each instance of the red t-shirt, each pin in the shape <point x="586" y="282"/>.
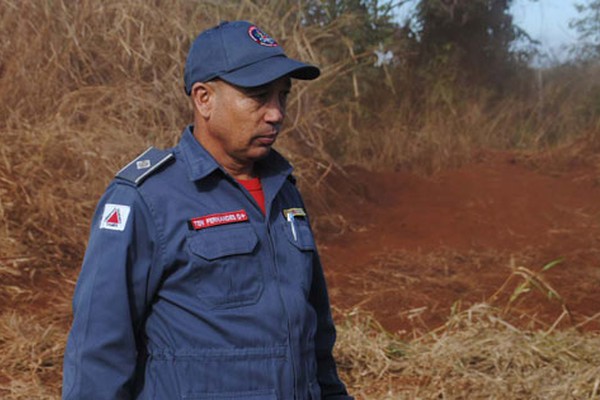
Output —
<point x="255" y="188"/>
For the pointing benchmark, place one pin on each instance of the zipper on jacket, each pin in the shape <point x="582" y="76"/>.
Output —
<point x="287" y="317"/>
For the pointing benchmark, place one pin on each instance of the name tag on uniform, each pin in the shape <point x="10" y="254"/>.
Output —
<point x="225" y="218"/>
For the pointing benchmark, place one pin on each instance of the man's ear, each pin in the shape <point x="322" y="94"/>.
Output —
<point x="202" y="97"/>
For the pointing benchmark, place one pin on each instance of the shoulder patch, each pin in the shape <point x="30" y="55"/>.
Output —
<point x="144" y="165"/>
<point x="114" y="217"/>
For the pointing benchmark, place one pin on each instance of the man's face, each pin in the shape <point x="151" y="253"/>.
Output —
<point x="244" y="122"/>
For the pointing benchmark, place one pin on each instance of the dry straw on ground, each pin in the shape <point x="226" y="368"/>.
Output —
<point x="31" y="348"/>
<point x="477" y="355"/>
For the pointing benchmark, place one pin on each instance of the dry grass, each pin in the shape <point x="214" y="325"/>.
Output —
<point x="429" y="122"/>
<point x="31" y="348"/>
<point x="476" y="355"/>
<point x="85" y="86"/>
<point x="33" y="332"/>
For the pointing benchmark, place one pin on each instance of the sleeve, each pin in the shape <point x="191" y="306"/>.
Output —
<point x="332" y="387"/>
<point x="111" y="297"/>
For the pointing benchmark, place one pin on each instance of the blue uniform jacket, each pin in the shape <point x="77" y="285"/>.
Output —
<point x="187" y="291"/>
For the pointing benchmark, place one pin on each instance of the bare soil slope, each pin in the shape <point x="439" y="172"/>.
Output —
<point x="412" y="249"/>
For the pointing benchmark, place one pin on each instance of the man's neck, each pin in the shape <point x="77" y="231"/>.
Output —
<point x="236" y="168"/>
<point x="240" y="173"/>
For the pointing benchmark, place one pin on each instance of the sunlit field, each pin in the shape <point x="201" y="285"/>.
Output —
<point x="497" y="300"/>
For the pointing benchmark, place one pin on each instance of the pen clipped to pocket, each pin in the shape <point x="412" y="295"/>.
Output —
<point x="290" y="215"/>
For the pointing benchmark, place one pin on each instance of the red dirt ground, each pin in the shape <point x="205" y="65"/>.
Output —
<point x="410" y="248"/>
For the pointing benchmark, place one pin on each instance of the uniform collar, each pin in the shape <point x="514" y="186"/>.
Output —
<point x="200" y="163"/>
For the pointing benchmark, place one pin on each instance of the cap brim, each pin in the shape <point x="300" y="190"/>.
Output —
<point x="270" y="69"/>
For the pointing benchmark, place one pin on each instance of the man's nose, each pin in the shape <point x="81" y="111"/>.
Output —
<point x="275" y="111"/>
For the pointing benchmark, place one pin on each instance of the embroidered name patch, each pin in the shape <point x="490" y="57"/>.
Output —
<point x="114" y="217"/>
<point x="261" y="37"/>
<point x="218" y="219"/>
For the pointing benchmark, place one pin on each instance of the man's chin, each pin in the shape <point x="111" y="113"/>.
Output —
<point x="259" y="153"/>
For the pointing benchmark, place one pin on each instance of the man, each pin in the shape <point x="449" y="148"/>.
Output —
<point x="201" y="279"/>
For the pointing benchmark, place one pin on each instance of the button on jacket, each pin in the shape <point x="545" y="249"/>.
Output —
<point x="233" y="306"/>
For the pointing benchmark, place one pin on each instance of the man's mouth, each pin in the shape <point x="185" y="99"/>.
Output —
<point x="267" y="140"/>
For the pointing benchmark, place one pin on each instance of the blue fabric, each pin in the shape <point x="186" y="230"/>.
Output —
<point x="144" y="165"/>
<point x="235" y="311"/>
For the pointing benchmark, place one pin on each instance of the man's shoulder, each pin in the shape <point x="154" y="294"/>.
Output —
<point x="145" y="165"/>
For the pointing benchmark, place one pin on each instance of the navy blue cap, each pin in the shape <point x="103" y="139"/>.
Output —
<point x="242" y="54"/>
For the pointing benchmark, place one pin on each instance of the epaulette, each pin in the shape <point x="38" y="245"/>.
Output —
<point x="144" y="165"/>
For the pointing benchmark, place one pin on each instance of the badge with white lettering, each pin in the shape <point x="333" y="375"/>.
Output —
<point x="114" y="217"/>
<point x="225" y="218"/>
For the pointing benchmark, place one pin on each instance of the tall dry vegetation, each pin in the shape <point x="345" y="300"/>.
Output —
<point x="86" y="85"/>
<point x="428" y="119"/>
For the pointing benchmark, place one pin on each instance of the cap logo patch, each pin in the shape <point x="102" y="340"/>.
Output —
<point x="114" y="217"/>
<point x="261" y="37"/>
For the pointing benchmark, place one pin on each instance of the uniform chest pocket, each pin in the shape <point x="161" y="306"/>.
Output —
<point x="226" y="266"/>
<point x="299" y="234"/>
<point x="300" y="252"/>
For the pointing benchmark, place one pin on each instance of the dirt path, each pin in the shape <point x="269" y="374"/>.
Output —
<point x="411" y="249"/>
<point x="414" y="248"/>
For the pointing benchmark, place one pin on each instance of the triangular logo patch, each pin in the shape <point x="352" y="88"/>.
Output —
<point x="114" y="217"/>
